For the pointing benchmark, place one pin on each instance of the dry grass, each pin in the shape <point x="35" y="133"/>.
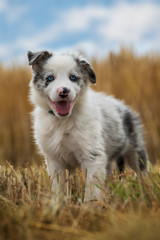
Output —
<point x="16" y="144"/>
<point x="28" y="207"/>
<point x="30" y="210"/>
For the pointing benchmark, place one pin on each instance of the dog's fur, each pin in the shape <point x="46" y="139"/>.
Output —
<point x="81" y="128"/>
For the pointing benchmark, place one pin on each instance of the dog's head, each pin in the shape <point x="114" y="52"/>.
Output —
<point x="58" y="80"/>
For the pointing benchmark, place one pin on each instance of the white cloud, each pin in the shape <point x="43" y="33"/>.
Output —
<point x="4" y="50"/>
<point x="39" y="38"/>
<point x="109" y="28"/>
<point x="124" y="22"/>
<point x="79" y="19"/>
<point x="2" y="5"/>
<point x="129" y="23"/>
<point x="134" y="25"/>
<point x="11" y="12"/>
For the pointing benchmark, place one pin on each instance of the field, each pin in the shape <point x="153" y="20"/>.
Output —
<point x="28" y="207"/>
<point x="30" y="210"/>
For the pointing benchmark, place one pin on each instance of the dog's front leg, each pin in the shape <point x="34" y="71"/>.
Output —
<point x="57" y="173"/>
<point x="96" y="173"/>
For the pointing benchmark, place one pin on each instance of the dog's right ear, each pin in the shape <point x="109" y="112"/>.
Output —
<point x="37" y="59"/>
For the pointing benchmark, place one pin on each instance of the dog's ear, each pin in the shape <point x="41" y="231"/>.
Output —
<point x="86" y="67"/>
<point x="37" y="59"/>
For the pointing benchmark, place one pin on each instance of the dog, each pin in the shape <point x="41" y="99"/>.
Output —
<point x="75" y="126"/>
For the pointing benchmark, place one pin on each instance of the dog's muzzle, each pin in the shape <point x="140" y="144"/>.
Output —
<point x="63" y="105"/>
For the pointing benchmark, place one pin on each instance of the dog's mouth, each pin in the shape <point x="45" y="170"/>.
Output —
<point x="62" y="108"/>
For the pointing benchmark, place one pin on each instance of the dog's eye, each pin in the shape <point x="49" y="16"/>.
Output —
<point x="73" y="78"/>
<point x="50" y="78"/>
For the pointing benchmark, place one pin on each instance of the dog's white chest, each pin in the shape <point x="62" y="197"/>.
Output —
<point x="57" y="140"/>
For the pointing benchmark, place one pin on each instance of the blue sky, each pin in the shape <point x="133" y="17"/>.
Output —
<point x="95" y="27"/>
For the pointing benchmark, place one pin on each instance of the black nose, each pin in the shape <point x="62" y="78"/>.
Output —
<point x="64" y="92"/>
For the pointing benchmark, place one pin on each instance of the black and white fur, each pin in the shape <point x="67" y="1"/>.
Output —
<point x="86" y="128"/>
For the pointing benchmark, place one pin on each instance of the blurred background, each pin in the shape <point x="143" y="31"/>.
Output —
<point x="121" y="39"/>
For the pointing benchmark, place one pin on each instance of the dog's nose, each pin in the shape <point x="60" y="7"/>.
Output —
<point x="63" y="92"/>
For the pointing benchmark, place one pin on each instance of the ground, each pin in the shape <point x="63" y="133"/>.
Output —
<point x="31" y="210"/>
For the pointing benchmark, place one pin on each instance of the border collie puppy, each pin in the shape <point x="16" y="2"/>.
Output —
<point x="75" y="126"/>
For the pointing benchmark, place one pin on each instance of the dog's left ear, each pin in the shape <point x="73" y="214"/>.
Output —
<point x="86" y="67"/>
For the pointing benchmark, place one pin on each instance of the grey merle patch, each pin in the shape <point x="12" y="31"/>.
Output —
<point x="37" y="59"/>
<point x="86" y="70"/>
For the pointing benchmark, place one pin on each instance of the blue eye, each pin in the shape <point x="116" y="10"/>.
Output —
<point x="50" y="78"/>
<point x="73" y="78"/>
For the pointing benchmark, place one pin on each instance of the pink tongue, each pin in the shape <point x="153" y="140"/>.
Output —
<point x="63" y="107"/>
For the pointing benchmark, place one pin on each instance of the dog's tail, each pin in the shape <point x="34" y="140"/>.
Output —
<point x="138" y="137"/>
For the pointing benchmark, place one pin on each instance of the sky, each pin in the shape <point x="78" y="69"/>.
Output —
<point x="95" y="27"/>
